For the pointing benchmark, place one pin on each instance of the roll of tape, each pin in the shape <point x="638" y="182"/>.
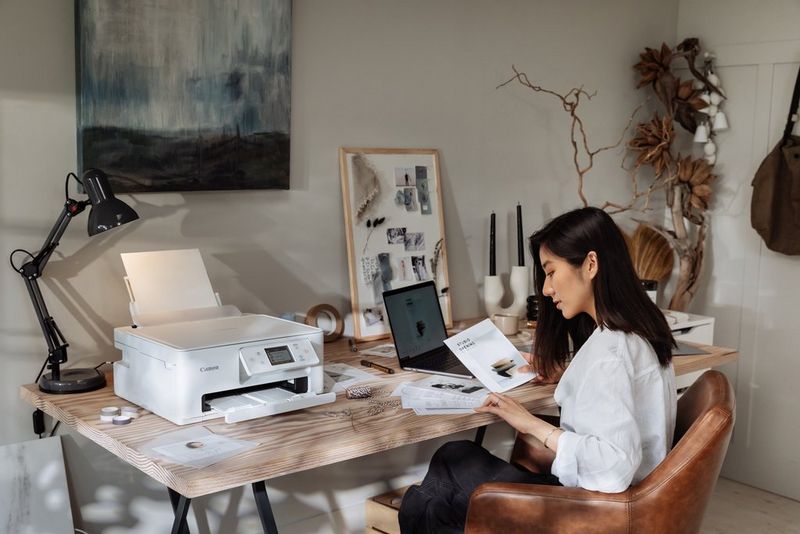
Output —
<point x="335" y="316"/>
<point x="130" y="411"/>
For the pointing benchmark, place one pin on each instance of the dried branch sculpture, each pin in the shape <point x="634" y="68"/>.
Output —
<point x="580" y="143"/>
<point x="685" y="180"/>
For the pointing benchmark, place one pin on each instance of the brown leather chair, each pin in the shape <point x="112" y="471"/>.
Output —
<point x="672" y="499"/>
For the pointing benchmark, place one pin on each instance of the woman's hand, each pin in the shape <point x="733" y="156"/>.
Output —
<point x="510" y="410"/>
<point x="539" y="379"/>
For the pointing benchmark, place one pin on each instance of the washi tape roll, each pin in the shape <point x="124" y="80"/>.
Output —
<point x="108" y="413"/>
<point x="130" y="411"/>
<point x="335" y="319"/>
<point x="122" y="419"/>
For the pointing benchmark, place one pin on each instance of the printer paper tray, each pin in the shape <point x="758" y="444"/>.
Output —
<point x="265" y="402"/>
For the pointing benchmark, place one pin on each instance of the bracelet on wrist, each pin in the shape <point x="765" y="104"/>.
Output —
<point x="547" y="437"/>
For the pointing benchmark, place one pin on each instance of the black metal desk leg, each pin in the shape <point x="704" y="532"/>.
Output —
<point x="479" y="435"/>
<point x="180" y="505"/>
<point x="264" y="508"/>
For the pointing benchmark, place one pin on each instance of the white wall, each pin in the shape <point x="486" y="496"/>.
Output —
<point x="365" y="73"/>
<point x="752" y="291"/>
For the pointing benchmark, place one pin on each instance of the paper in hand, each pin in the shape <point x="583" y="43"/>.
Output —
<point x="490" y="356"/>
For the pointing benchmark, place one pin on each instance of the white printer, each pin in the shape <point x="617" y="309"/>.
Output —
<point x="189" y="359"/>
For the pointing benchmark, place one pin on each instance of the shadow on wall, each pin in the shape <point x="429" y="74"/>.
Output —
<point x="278" y="285"/>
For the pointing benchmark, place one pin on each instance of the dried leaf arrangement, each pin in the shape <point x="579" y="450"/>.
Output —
<point x="366" y="184"/>
<point x="693" y="104"/>
<point x="372" y="224"/>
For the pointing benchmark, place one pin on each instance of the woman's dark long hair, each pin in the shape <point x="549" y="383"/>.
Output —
<point x="620" y="300"/>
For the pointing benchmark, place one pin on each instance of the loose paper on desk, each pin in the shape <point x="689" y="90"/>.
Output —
<point x="490" y="356"/>
<point x="438" y="394"/>
<point x="340" y="376"/>
<point x="386" y="350"/>
<point x="196" y="447"/>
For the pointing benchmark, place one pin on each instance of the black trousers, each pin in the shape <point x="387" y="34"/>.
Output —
<point x="439" y="504"/>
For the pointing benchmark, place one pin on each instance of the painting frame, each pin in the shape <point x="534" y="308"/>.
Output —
<point x="184" y="95"/>
<point x="400" y="190"/>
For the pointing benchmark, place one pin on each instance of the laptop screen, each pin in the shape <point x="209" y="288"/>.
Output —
<point x="416" y="319"/>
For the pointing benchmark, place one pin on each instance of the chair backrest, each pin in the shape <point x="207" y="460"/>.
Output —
<point x="674" y="497"/>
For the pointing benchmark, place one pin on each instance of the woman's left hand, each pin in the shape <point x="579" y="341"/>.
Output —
<point x="510" y="410"/>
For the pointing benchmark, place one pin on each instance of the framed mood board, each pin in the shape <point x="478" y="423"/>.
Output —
<point x="394" y="227"/>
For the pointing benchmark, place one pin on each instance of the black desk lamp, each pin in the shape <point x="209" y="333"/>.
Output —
<point x="107" y="212"/>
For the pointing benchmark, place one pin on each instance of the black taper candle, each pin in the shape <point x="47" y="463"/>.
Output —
<point x="520" y="247"/>
<point x="492" y="261"/>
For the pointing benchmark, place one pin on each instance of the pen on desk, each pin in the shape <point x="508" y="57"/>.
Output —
<point x="353" y="345"/>
<point x="379" y="367"/>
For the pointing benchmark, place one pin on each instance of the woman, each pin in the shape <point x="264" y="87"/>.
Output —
<point x="617" y="396"/>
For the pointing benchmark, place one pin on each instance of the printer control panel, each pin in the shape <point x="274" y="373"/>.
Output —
<point x="257" y="359"/>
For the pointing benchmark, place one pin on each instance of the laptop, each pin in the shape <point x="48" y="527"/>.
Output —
<point x="418" y="329"/>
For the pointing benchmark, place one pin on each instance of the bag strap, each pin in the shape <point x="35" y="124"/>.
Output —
<point x="793" y="110"/>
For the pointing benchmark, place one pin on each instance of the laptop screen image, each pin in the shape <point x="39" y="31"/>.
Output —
<point x="416" y="319"/>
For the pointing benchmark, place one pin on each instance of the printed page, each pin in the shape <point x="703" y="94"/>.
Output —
<point x="340" y="376"/>
<point x="490" y="356"/>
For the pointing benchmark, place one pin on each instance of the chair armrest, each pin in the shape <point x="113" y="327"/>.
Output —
<point x="530" y="454"/>
<point x="511" y="508"/>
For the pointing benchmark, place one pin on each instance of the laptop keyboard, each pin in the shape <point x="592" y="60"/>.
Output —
<point x="441" y="361"/>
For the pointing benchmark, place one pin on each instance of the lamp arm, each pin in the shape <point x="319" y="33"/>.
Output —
<point x="33" y="269"/>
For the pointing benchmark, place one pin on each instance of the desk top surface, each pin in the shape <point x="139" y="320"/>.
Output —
<point x="299" y="440"/>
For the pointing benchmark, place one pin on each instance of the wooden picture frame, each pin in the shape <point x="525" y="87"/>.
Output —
<point x="394" y="227"/>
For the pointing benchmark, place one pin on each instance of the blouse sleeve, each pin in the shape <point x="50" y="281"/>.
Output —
<point x="604" y="449"/>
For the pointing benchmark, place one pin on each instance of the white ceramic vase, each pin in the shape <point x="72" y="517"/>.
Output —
<point x="493" y="292"/>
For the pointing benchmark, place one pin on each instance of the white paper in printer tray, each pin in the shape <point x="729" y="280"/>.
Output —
<point x="166" y="280"/>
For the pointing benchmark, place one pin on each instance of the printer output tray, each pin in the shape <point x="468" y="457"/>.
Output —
<point x="252" y="405"/>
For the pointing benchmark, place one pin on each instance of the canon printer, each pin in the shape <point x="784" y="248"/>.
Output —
<point x="187" y="358"/>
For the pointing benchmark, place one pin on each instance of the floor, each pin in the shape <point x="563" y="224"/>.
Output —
<point x="739" y="508"/>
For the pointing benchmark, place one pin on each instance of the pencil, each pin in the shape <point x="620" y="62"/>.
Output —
<point x="379" y="367"/>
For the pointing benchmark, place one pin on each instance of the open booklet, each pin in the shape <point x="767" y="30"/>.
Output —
<point x="439" y="393"/>
<point x="490" y="356"/>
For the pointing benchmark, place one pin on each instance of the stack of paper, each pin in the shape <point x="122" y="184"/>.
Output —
<point x="436" y="395"/>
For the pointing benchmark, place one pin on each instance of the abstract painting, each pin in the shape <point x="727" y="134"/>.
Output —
<point x="185" y="95"/>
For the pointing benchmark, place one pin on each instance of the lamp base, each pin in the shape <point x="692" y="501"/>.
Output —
<point x="73" y="381"/>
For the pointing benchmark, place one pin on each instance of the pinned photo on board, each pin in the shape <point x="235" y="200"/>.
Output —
<point x="414" y="241"/>
<point x="410" y="198"/>
<point x="396" y="236"/>
<point x="373" y="315"/>
<point x="420" y="271"/>
<point x="405" y="176"/>
<point x="386" y="270"/>
<point x="424" y="197"/>
<point x="369" y="269"/>
<point x="404" y="269"/>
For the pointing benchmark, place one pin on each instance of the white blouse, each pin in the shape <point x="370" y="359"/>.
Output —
<point x="618" y="412"/>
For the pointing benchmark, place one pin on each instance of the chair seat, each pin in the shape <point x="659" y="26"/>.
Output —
<point x="672" y="499"/>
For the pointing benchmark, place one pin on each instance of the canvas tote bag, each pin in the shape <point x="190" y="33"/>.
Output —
<point x="775" y="207"/>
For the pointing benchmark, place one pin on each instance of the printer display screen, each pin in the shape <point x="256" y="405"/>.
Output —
<point x="279" y="355"/>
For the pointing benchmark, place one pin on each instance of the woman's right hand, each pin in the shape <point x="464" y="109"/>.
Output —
<point x="539" y="379"/>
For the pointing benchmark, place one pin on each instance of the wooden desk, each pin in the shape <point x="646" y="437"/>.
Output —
<point x="298" y="440"/>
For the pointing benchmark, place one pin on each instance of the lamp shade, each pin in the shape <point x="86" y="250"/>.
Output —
<point x="107" y="211"/>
